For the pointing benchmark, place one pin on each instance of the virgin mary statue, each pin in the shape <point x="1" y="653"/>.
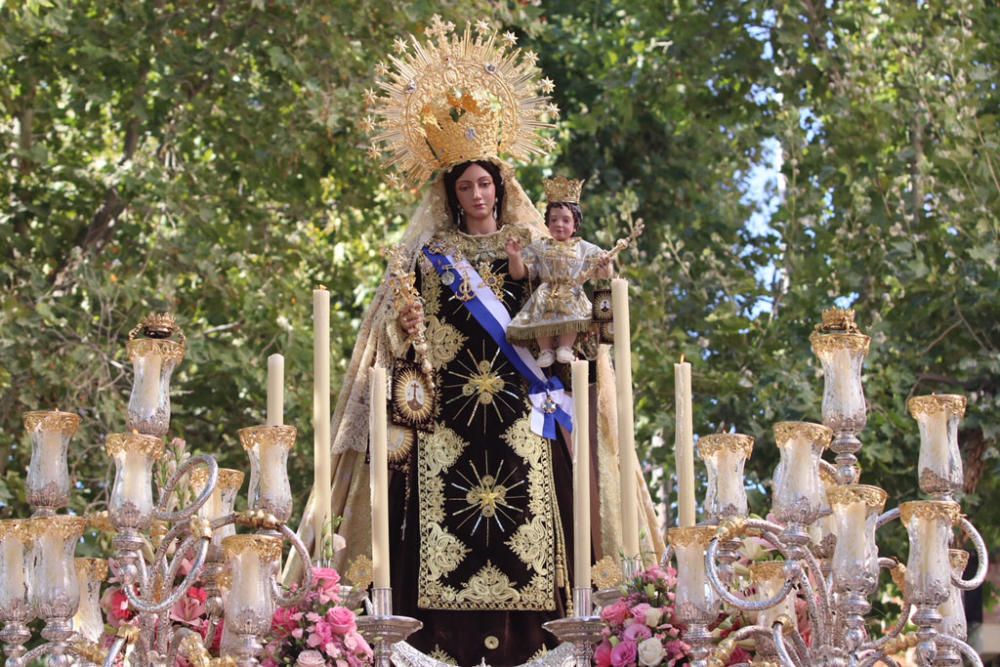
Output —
<point x="480" y="474"/>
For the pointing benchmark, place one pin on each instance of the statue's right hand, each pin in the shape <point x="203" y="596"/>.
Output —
<point x="513" y="247"/>
<point x="411" y="317"/>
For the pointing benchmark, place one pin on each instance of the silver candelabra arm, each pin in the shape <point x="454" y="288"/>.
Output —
<point x="735" y="600"/>
<point x="293" y="599"/>
<point x="185" y="513"/>
<point x="982" y="558"/>
<point x="144" y="607"/>
<point x="967" y="651"/>
<point x="778" y="637"/>
<point x="886" y="517"/>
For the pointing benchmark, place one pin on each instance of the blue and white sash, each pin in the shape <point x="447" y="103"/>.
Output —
<point x="549" y="402"/>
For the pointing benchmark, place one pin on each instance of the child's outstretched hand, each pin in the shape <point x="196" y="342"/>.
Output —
<point x="515" y="264"/>
<point x="513" y="247"/>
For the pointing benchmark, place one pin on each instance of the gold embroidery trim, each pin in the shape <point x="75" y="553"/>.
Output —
<point x="786" y="431"/>
<point x="442" y="552"/>
<point x="444" y="342"/>
<point x="872" y="496"/>
<point x="51" y="420"/>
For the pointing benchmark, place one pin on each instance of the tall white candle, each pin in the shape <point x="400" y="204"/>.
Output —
<point x="626" y="424"/>
<point x="321" y="414"/>
<point x="276" y="390"/>
<point x="684" y="443"/>
<point x="581" y="476"/>
<point x="379" y="479"/>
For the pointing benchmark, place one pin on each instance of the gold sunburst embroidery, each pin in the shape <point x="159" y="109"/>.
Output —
<point x="482" y="384"/>
<point x="484" y="498"/>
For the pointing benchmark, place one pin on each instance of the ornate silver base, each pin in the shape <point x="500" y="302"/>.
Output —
<point x="382" y="630"/>
<point x="582" y="631"/>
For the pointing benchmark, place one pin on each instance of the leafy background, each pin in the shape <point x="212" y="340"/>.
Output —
<point x="207" y="158"/>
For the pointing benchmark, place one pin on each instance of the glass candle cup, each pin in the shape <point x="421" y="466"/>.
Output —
<point x="952" y="610"/>
<point x="90" y="573"/>
<point x="16" y="552"/>
<point x="55" y="587"/>
<point x="252" y="561"/>
<point x="221" y="502"/>
<point x="798" y="490"/>
<point x="939" y="463"/>
<point x="48" y="472"/>
<point x="268" y="447"/>
<point x="131" y="505"/>
<point x="725" y="455"/>
<point x="153" y="362"/>
<point x="696" y="601"/>
<point x="842" y="354"/>
<point x="768" y="578"/>
<point x="856" y="508"/>
<point x="928" y="569"/>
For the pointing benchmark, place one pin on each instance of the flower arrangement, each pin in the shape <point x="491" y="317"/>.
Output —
<point x="318" y="624"/>
<point x="640" y="628"/>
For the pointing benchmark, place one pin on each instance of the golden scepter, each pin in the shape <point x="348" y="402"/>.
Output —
<point x="620" y="244"/>
<point x="402" y="282"/>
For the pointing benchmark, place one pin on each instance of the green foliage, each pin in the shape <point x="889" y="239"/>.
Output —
<point x="205" y="158"/>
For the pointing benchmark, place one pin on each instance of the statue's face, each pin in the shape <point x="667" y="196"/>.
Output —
<point x="476" y="193"/>
<point x="561" y="223"/>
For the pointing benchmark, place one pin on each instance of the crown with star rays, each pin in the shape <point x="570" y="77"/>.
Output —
<point x="455" y="97"/>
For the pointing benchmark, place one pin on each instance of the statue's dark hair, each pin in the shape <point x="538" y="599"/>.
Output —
<point x="572" y="207"/>
<point x="451" y="179"/>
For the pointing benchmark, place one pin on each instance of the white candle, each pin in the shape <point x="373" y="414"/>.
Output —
<point x="50" y="457"/>
<point x="13" y="560"/>
<point x="379" y="479"/>
<point x="850" y="400"/>
<point x="272" y="464"/>
<point x="684" y="444"/>
<point x="937" y="441"/>
<point x="581" y="476"/>
<point x="626" y="426"/>
<point x="137" y="478"/>
<point x="275" y="390"/>
<point x="247" y="590"/>
<point x="730" y="480"/>
<point x="803" y="468"/>
<point x="148" y="372"/>
<point x="321" y="414"/>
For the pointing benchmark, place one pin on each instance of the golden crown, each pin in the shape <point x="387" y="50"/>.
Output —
<point x="458" y="97"/>
<point x="838" y="320"/>
<point x="562" y="189"/>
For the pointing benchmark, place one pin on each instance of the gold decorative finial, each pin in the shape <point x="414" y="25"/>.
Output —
<point x="158" y="325"/>
<point x="838" y="320"/>
<point x="562" y="189"/>
<point x="453" y="97"/>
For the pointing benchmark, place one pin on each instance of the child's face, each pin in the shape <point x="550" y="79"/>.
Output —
<point x="561" y="223"/>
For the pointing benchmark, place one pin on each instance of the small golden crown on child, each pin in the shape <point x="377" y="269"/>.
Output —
<point x="562" y="189"/>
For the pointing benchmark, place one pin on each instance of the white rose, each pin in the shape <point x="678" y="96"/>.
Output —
<point x="651" y="652"/>
<point x="653" y="616"/>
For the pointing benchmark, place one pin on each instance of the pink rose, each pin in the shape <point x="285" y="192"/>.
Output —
<point x="602" y="655"/>
<point x="326" y="582"/>
<point x="115" y="606"/>
<point x="639" y="612"/>
<point x="637" y="632"/>
<point x="361" y="645"/>
<point x="615" y="614"/>
<point x="624" y="654"/>
<point x="341" y="620"/>
<point x="285" y="620"/>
